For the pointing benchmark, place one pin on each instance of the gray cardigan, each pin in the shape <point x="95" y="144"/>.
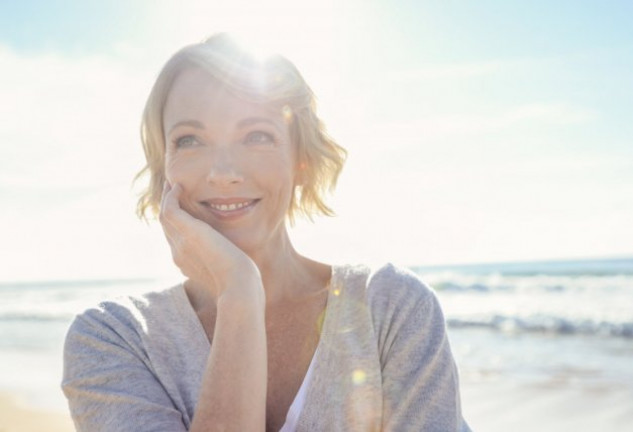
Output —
<point x="383" y="361"/>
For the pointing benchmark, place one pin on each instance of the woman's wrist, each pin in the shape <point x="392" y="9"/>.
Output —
<point x="242" y="291"/>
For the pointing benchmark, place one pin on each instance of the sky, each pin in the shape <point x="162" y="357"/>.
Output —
<point x="485" y="131"/>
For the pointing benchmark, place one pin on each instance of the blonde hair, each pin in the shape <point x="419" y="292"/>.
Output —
<point x="273" y="80"/>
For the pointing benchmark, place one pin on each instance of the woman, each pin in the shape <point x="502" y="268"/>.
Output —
<point x="258" y="337"/>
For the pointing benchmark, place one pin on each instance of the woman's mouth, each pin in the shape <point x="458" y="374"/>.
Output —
<point x="229" y="208"/>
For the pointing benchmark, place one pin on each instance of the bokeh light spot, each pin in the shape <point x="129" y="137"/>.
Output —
<point x="286" y="112"/>
<point x="359" y="377"/>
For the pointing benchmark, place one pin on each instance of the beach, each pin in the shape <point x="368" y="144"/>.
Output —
<point x="538" y="347"/>
<point x="15" y="416"/>
<point x="553" y="407"/>
<point x="488" y="406"/>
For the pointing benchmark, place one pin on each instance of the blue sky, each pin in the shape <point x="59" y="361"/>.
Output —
<point x="70" y="27"/>
<point x="478" y="131"/>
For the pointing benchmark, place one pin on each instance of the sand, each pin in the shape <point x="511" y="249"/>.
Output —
<point x="547" y="407"/>
<point x="488" y="405"/>
<point x="17" y="417"/>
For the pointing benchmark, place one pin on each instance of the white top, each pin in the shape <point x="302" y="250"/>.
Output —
<point x="292" y="418"/>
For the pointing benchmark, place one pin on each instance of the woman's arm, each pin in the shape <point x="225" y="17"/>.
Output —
<point x="419" y="376"/>
<point x="118" y="375"/>
<point x="108" y="377"/>
<point x="233" y="390"/>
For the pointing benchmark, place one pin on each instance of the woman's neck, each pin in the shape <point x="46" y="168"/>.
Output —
<point x="286" y="274"/>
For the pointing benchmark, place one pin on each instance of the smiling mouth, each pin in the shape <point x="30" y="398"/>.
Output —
<point x="229" y="208"/>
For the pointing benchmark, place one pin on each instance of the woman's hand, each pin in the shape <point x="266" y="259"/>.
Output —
<point x="204" y="255"/>
<point x="235" y="379"/>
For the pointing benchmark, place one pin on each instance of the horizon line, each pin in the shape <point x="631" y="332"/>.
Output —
<point x="144" y="278"/>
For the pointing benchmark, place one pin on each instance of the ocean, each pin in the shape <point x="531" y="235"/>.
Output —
<point x="539" y="323"/>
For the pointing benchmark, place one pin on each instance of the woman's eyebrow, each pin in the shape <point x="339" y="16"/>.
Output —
<point x="192" y="123"/>
<point x="249" y="121"/>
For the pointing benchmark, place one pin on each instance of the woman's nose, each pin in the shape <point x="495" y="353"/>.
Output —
<point x="223" y="169"/>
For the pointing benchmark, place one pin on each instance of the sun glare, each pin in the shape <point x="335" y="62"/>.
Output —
<point x="303" y="31"/>
<point x="277" y="25"/>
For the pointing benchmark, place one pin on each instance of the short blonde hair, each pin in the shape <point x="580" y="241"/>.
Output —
<point x="273" y="80"/>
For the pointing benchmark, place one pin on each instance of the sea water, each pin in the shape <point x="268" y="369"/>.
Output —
<point x="535" y="323"/>
<point x="34" y="319"/>
<point x="540" y="323"/>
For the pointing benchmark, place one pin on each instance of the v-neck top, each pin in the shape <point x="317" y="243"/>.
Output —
<point x="292" y="418"/>
<point x="383" y="361"/>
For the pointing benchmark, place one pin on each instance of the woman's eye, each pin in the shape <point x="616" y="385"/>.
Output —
<point x="186" y="141"/>
<point x="259" y="137"/>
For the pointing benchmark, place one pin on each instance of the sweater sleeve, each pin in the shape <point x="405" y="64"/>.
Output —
<point x="419" y="376"/>
<point x="108" y="379"/>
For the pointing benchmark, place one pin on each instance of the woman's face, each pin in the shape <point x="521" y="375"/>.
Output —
<point x="234" y="160"/>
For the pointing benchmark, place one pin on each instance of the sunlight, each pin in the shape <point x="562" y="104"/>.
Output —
<point x="305" y="32"/>
<point x="284" y="25"/>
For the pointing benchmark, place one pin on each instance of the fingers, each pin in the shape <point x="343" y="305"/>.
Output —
<point x="199" y="251"/>
<point x="180" y="229"/>
<point x="171" y="213"/>
<point x="177" y="223"/>
<point x="169" y="198"/>
<point x="163" y="214"/>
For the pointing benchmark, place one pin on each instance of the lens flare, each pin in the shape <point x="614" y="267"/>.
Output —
<point x="286" y="113"/>
<point x="359" y="377"/>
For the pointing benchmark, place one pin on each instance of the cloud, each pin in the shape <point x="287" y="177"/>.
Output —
<point x="68" y="122"/>
<point x="500" y="67"/>
<point x="68" y="136"/>
<point x="450" y="70"/>
<point x="532" y="116"/>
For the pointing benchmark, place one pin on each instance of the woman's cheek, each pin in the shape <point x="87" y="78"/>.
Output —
<point x="187" y="204"/>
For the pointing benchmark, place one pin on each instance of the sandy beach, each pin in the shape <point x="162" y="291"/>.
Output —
<point x="488" y="406"/>
<point x="538" y="349"/>
<point x="551" y="407"/>
<point x="18" y="417"/>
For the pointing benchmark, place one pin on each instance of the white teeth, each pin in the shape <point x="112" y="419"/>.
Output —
<point x="229" y="207"/>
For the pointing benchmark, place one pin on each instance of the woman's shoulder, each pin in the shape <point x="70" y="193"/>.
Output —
<point x="144" y="303"/>
<point x="390" y="292"/>
<point x="394" y="290"/>
<point x="386" y="281"/>
<point x="129" y="313"/>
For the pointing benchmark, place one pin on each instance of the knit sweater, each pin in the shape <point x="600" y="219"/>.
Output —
<point x="383" y="361"/>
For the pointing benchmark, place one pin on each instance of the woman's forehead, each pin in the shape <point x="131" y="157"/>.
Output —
<point x="195" y="92"/>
